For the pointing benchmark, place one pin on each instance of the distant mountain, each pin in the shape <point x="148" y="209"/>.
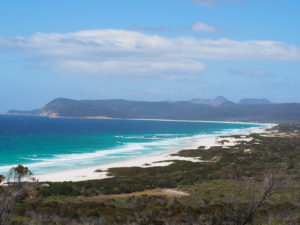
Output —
<point x="214" y="102"/>
<point x="219" y="109"/>
<point x="254" y="101"/>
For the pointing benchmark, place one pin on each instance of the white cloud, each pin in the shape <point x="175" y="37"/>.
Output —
<point x="203" y="27"/>
<point x="129" y="68"/>
<point x="121" y="52"/>
<point x="197" y="27"/>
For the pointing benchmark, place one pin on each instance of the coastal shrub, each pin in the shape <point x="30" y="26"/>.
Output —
<point x="19" y="220"/>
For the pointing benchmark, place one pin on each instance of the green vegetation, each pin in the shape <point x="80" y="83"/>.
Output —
<point x="14" y="190"/>
<point x="18" y="174"/>
<point x="2" y="178"/>
<point x="254" y="182"/>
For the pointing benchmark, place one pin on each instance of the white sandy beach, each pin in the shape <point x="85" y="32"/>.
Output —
<point x="156" y="159"/>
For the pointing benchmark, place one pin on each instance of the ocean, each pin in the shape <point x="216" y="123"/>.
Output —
<point x="48" y="145"/>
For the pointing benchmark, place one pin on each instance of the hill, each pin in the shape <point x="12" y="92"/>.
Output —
<point x="254" y="101"/>
<point x="219" y="109"/>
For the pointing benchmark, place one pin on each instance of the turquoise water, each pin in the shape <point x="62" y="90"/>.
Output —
<point x="48" y="145"/>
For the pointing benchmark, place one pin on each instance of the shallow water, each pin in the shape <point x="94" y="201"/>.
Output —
<point x="48" y="145"/>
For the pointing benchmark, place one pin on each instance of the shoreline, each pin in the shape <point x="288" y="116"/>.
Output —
<point x="152" y="160"/>
<point x="143" y="119"/>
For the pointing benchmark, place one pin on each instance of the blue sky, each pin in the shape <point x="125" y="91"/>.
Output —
<point x="148" y="50"/>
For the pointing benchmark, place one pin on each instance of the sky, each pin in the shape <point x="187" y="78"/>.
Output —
<point x="150" y="50"/>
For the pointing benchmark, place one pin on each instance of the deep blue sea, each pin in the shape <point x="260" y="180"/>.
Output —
<point x="48" y="145"/>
